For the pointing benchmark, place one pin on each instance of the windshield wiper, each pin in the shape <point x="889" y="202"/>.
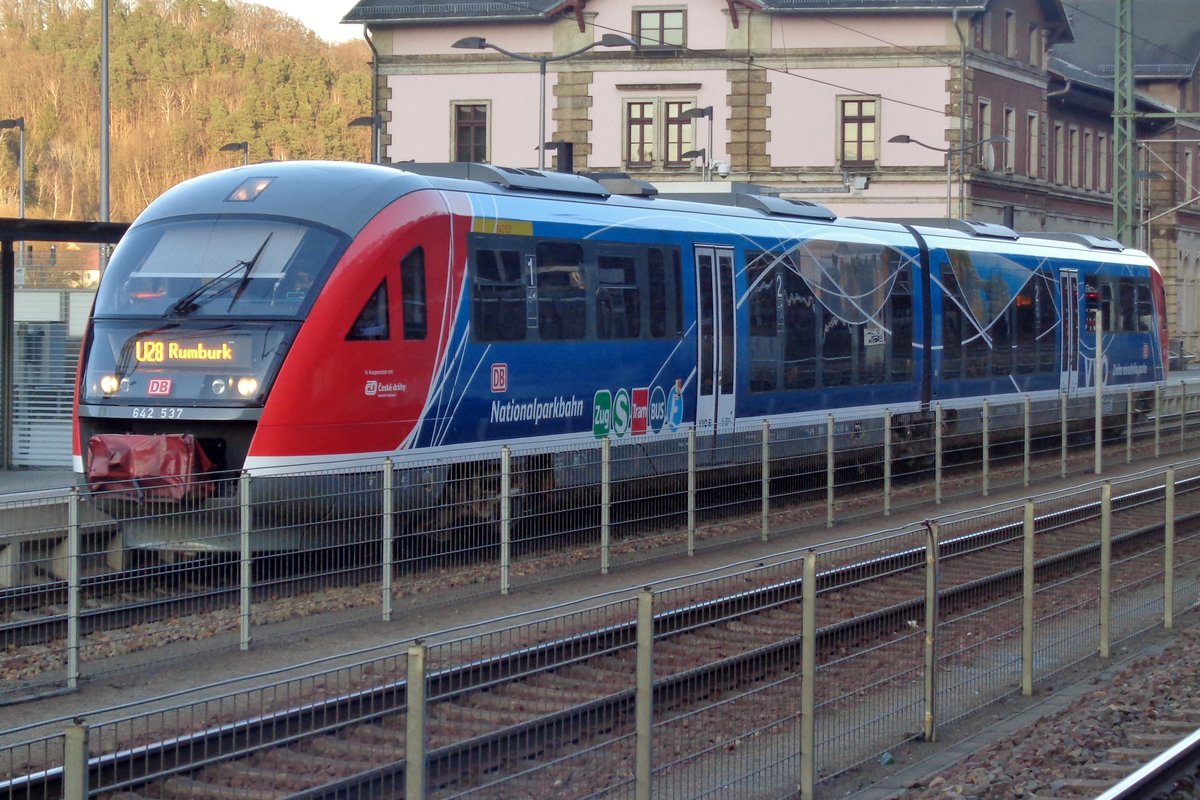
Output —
<point x="191" y="301"/>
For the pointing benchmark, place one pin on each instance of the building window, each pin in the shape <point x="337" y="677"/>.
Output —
<point x="470" y="132"/>
<point x="1060" y="153"/>
<point x="1033" y="146"/>
<point x="985" y="120"/>
<point x="1102" y="160"/>
<point x="1010" y="34"/>
<point x="860" y="126"/>
<point x="664" y="28"/>
<point x="1089" y="160"/>
<point x="657" y="133"/>
<point x="639" y="133"/>
<point x="1035" y="46"/>
<point x="1189" y="178"/>
<point x="1010" y="147"/>
<point x="1073" y="154"/>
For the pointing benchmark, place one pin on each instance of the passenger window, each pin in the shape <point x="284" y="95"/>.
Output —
<point x="412" y="285"/>
<point x="561" y="291"/>
<point x="498" y="296"/>
<point x="1126" y="304"/>
<point x="618" y="301"/>
<point x="372" y="321"/>
<point x="665" y="304"/>
<point x="1145" y="309"/>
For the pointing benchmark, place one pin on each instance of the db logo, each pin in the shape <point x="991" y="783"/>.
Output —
<point x="499" y="378"/>
<point x="371" y="389"/>
<point x="159" y="386"/>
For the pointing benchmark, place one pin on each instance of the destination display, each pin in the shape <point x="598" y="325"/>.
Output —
<point x="184" y="352"/>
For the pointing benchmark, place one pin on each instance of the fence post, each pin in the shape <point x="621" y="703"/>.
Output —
<point x="74" y="576"/>
<point x="388" y="556"/>
<point x="644" y="698"/>
<point x="937" y="453"/>
<point x="887" y="462"/>
<point x="1157" y="421"/>
<point x="1098" y="383"/>
<point x="1128" y="424"/>
<point x="766" y="479"/>
<point x="1028" y="439"/>
<point x="1182" y="412"/>
<point x="1105" y="568"/>
<point x="808" y="677"/>
<point x="246" y="572"/>
<point x="1169" y="551"/>
<point x="1063" y="405"/>
<point x="75" y="762"/>
<point x="414" y="742"/>
<point x="830" y="474"/>
<point x="691" y="492"/>
<point x="986" y="421"/>
<point x="932" y="581"/>
<point x="505" y="517"/>
<point x="1028" y="589"/>
<point x="605" y="503"/>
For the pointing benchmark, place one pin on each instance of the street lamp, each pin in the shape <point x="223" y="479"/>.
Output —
<point x="904" y="138"/>
<point x="480" y="43"/>
<point x="375" y="122"/>
<point x="234" y="147"/>
<point x="701" y="154"/>
<point x="19" y="124"/>
<point x="702" y="113"/>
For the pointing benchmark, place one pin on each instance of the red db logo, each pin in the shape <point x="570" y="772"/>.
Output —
<point x="159" y="386"/>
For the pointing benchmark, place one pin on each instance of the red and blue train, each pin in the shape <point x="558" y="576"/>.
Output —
<point x="291" y="315"/>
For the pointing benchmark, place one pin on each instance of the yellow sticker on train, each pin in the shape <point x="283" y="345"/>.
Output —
<point x="505" y="227"/>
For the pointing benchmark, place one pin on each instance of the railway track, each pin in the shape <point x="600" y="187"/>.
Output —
<point x="541" y="713"/>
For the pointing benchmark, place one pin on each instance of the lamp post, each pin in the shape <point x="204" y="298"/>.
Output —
<point x="904" y="138"/>
<point x="242" y="147"/>
<point x="701" y="154"/>
<point x="375" y="122"/>
<point x="480" y="43"/>
<point x="702" y="113"/>
<point x="19" y="124"/>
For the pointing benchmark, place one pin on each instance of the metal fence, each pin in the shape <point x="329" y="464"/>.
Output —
<point x="84" y="579"/>
<point x="716" y="702"/>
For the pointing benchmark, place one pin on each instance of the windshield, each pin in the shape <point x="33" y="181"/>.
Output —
<point x="218" y="267"/>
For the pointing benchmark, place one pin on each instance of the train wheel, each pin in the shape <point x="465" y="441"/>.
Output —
<point x="468" y="516"/>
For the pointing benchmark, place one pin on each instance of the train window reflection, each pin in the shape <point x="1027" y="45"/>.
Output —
<point x="158" y="264"/>
<point x="412" y="285"/>
<point x="498" y="295"/>
<point x="561" y="291"/>
<point x="372" y="322"/>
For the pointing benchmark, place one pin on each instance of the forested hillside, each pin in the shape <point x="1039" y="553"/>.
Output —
<point x="186" y="76"/>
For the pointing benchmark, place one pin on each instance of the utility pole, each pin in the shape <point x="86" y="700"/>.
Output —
<point x="1124" y="132"/>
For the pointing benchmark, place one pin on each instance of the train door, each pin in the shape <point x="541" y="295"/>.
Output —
<point x="1069" y="285"/>
<point x="717" y="340"/>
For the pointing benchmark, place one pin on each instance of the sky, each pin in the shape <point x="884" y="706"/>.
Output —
<point x="322" y="16"/>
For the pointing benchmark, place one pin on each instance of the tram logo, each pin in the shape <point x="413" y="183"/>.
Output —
<point x="159" y="387"/>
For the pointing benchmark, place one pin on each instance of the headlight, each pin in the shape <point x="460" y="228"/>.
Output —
<point x="247" y="386"/>
<point x="109" y="384"/>
<point x="219" y="385"/>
